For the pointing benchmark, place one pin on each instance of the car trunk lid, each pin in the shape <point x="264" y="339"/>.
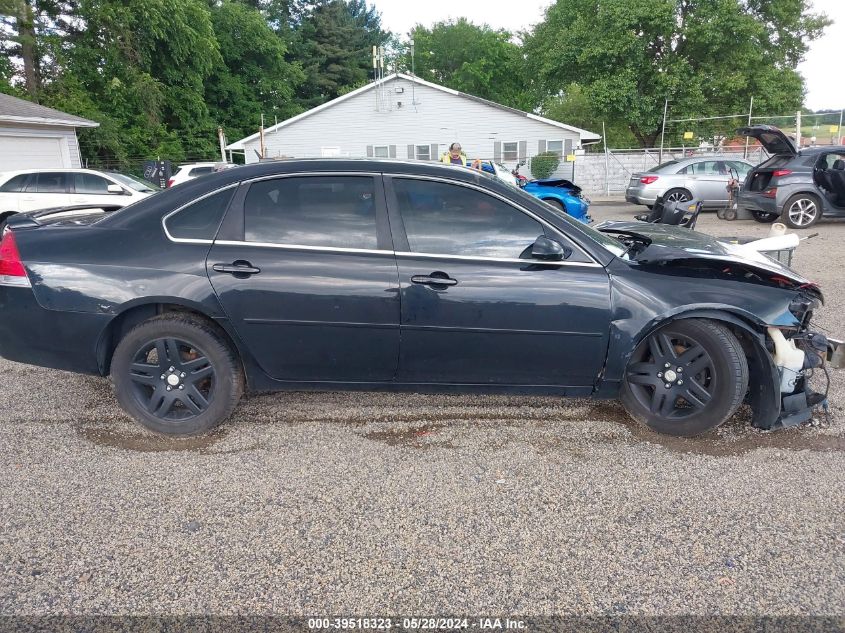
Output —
<point x="773" y="140"/>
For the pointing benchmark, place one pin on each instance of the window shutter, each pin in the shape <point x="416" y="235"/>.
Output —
<point x="369" y="151"/>
<point x="411" y="154"/>
<point x="567" y="148"/>
<point x="497" y="151"/>
<point x="392" y="151"/>
<point x="541" y="147"/>
<point x="435" y="151"/>
<point x="523" y="150"/>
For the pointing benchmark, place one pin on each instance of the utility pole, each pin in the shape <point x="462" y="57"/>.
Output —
<point x="798" y="129"/>
<point x="222" y="139"/>
<point x="606" y="167"/>
<point x="663" y="131"/>
<point x="839" y="130"/>
<point x="750" y="108"/>
<point x="261" y="135"/>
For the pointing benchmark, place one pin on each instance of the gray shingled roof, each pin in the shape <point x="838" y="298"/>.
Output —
<point x="14" y="110"/>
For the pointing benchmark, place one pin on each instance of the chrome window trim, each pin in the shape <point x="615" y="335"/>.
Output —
<point x="293" y="174"/>
<point x="304" y="247"/>
<point x="500" y="197"/>
<point x="186" y="240"/>
<point x="405" y="254"/>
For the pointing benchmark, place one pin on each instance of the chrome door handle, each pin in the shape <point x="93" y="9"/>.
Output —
<point x="428" y="280"/>
<point x="237" y="268"/>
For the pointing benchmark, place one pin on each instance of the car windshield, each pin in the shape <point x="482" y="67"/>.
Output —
<point x="663" y="165"/>
<point x="609" y="243"/>
<point x="135" y="183"/>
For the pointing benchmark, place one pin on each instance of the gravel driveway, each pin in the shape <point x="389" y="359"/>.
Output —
<point x="383" y="504"/>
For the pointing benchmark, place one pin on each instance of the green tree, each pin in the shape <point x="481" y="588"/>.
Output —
<point x="707" y="58"/>
<point x="252" y="76"/>
<point x="474" y="59"/>
<point x="333" y="39"/>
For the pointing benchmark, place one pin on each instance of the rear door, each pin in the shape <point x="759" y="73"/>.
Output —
<point x="476" y="309"/>
<point x="304" y="268"/>
<point x="45" y="190"/>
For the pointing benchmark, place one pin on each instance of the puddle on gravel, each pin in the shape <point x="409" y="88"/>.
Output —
<point x="416" y="436"/>
<point x="149" y="443"/>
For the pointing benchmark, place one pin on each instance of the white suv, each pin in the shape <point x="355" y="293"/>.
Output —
<point x="35" y="189"/>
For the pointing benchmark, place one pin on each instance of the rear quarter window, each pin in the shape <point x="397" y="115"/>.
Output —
<point x="201" y="219"/>
<point x="14" y="184"/>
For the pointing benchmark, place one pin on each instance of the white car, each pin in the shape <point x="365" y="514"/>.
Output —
<point x="34" y="189"/>
<point x="195" y="170"/>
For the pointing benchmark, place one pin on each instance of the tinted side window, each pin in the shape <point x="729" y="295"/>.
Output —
<point x="15" y="184"/>
<point x="453" y="220"/>
<point x="332" y="211"/>
<point x="200" y="220"/>
<point x="199" y="171"/>
<point x="50" y="182"/>
<point x="89" y="183"/>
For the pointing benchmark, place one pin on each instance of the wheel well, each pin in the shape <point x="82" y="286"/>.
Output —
<point x="763" y="384"/>
<point x="128" y="319"/>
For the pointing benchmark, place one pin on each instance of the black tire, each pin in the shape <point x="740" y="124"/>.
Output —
<point x="188" y="356"/>
<point x="677" y="195"/>
<point x="3" y="218"/>
<point x="703" y="393"/>
<point x="764" y="218"/>
<point x="557" y="204"/>
<point x="802" y="211"/>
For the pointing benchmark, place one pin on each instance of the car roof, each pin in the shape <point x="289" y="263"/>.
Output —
<point x="7" y="175"/>
<point x="206" y="164"/>
<point x="717" y="157"/>
<point x="823" y="149"/>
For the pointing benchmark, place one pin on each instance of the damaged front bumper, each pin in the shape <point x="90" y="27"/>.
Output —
<point x="795" y="358"/>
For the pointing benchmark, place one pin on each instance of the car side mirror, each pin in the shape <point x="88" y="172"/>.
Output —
<point x="116" y="189"/>
<point x="549" y="250"/>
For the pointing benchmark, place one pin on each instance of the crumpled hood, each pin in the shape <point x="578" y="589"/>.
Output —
<point x="672" y="243"/>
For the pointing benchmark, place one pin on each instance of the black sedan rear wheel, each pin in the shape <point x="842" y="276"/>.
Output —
<point x="686" y="378"/>
<point x="175" y="375"/>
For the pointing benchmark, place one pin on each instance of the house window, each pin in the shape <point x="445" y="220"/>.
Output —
<point x="556" y="147"/>
<point x="423" y="152"/>
<point x="510" y="151"/>
<point x="381" y="151"/>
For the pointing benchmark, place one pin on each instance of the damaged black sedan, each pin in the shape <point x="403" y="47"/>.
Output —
<point x="384" y="275"/>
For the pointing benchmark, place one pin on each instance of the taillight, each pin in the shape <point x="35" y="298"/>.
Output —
<point x="771" y="192"/>
<point x="12" y="272"/>
<point x="777" y="173"/>
<point x="647" y="180"/>
<point x="170" y="183"/>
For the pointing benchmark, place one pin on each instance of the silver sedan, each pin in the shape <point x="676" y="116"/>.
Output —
<point x="703" y="178"/>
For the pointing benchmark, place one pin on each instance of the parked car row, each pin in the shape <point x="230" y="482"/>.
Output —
<point x="799" y="186"/>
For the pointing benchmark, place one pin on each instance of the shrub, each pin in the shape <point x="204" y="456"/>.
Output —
<point x="544" y="165"/>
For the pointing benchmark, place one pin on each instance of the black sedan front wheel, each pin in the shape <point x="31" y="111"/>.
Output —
<point x="686" y="378"/>
<point x="175" y="375"/>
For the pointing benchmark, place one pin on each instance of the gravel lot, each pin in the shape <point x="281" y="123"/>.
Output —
<point x="385" y="504"/>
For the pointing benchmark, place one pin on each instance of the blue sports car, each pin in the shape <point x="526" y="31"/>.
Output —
<point x="562" y="194"/>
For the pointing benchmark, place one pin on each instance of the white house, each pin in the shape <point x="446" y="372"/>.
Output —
<point x="33" y="136"/>
<point x="403" y="116"/>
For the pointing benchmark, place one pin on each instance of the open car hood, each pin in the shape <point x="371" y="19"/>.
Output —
<point x="675" y="244"/>
<point x="773" y="139"/>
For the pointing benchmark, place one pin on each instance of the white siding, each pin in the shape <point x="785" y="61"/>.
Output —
<point x="35" y="147"/>
<point x="426" y="116"/>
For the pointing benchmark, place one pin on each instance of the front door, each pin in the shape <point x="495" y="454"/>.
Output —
<point x="309" y="279"/>
<point x="476" y="309"/>
<point x="708" y="181"/>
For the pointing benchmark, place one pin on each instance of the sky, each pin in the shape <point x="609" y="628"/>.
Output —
<point x="824" y="90"/>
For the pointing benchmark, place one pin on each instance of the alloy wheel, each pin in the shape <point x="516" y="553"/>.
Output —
<point x="803" y="212"/>
<point x="172" y="379"/>
<point x="673" y="377"/>
<point x="677" y="196"/>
